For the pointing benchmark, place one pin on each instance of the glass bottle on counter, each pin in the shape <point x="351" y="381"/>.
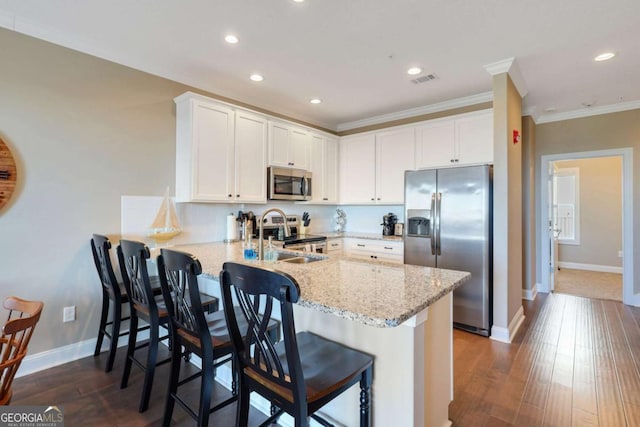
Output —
<point x="270" y="252"/>
<point x="249" y="249"/>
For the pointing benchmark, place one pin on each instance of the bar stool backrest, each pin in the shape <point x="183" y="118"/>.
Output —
<point x="254" y="289"/>
<point x="133" y="257"/>
<point x="100" y="246"/>
<point x="179" y="273"/>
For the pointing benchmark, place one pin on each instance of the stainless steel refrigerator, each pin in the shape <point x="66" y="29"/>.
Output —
<point x="448" y="214"/>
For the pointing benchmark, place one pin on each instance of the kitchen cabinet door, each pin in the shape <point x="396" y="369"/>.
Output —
<point x="435" y="144"/>
<point x="324" y="167"/>
<point x="394" y="155"/>
<point x="250" y="158"/>
<point x="358" y="169"/>
<point x="299" y="146"/>
<point x="204" y="151"/>
<point x="331" y="171"/>
<point x="289" y="146"/>
<point x="279" y="145"/>
<point x="474" y="139"/>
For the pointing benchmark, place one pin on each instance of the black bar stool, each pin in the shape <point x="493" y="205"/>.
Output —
<point x="298" y="375"/>
<point x="206" y="336"/>
<point x="112" y="291"/>
<point x="145" y="305"/>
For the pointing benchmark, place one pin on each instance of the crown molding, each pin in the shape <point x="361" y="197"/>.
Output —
<point x="427" y="109"/>
<point x="510" y="66"/>
<point x="588" y="112"/>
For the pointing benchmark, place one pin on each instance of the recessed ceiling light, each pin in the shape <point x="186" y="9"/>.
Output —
<point x="230" y="38"/>
<point x="414" y="70"/>
<point x="298" y="1"/>
<point x="604" y="56"/>
<point x="315" y="100"/>
<point x="256" y="77"/>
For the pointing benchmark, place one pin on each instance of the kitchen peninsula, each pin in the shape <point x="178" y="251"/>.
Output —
<point x="401" y="314"/>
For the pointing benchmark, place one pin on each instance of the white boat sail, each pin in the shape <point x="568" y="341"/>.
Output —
<point x="165" y="226"/>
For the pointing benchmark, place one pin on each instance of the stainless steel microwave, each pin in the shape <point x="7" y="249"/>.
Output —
<point x="288" y="184"/>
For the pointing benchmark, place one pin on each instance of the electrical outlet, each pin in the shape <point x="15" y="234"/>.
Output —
<point x="69" y="314"/>
<point x="619" y="254"/>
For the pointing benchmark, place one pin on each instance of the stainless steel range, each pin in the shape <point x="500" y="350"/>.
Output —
<point x="273" y="226"/>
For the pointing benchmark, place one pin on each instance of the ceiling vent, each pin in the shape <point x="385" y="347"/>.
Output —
<point x="425" y="78"/>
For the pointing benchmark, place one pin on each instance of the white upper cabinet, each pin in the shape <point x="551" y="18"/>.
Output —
<point x="372" y="166"/>
<point x="204" y="151"/>
<point x="250" y="158"/>
<point x="358" y="169"/>
<point x="461" y="140"/>
<point x="324" y="167"/>
<point x="394" y="155"/>
<point x="289" y="146"/>
<point x="220" y="153"/>
<point x="435" y="144"/>
<point x="474" y="139"/>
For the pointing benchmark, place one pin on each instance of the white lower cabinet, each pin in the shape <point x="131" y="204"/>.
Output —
<point x="374" y="250"/>
<point x="334" y="246"/>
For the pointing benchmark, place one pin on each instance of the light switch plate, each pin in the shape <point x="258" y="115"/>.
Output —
<point x="69" y="314"/>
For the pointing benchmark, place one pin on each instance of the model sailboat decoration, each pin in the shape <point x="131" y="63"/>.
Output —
<point x="165" y="226"/>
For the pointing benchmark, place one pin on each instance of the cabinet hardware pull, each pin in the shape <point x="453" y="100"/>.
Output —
<point x="230" y="195"/>
<point x="360" y="245"/>
<point x="387" y="247"/>
<point x="378" y="198"/>
<point x="237" y="195"/>
<point x="372" y="198"/>
<point x="452" y="160"/>
<point x="325" y="198"/>
<point x="457" y="160"/>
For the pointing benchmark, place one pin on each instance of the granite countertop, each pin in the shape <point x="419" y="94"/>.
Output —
<point x="356" y="235"/>
<point x="376" y="294"/>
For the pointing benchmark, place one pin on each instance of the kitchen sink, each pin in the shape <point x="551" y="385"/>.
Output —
<point x="297" y="258"/>
<point x="301" y="260"/>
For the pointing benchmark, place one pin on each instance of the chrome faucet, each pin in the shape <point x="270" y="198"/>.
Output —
<point x="287" y="231"/>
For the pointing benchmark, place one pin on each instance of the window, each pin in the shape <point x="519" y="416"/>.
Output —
<point x="566" y="204"/>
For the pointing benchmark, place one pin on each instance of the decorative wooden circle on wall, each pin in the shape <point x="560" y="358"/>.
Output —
<point x="8" y="174"/>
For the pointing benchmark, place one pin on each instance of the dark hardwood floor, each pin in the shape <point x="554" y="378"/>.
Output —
<point x="91" y="397"/>
<point x="575" y="362"/>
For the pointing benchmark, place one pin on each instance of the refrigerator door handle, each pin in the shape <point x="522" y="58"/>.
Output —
<point x="433" y="224"/>
<point x="438" y="211"/>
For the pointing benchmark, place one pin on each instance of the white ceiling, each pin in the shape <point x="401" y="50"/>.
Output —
<point x="353" y="54"/>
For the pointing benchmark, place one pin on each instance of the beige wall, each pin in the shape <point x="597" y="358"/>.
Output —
<point x="84" y="132"/>
<point x="607" y="131"/>
<point x="600" y="212"/>
<point x="507" y="203"/>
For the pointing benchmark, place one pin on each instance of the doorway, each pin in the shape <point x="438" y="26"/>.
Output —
<point x="551" y="213"/>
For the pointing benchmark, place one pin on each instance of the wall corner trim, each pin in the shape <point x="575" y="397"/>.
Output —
<point x="499" y="333"/>
<point x="530" y="294"/>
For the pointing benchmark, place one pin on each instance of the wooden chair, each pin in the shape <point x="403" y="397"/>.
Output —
<point x="298" y="375"/>
<point x="114" y="292"/>
<point x="146" y="306"/>
<point x="16" y="333"/>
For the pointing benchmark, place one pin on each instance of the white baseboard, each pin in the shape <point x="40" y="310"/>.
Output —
<point x="530" y="294"/>
<point x="68" y="353"/>
<point x="506" y="335"/>
<point x="590" y="267"/>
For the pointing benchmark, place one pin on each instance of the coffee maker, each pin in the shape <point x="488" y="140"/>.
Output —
<point x="388" y="224"/>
